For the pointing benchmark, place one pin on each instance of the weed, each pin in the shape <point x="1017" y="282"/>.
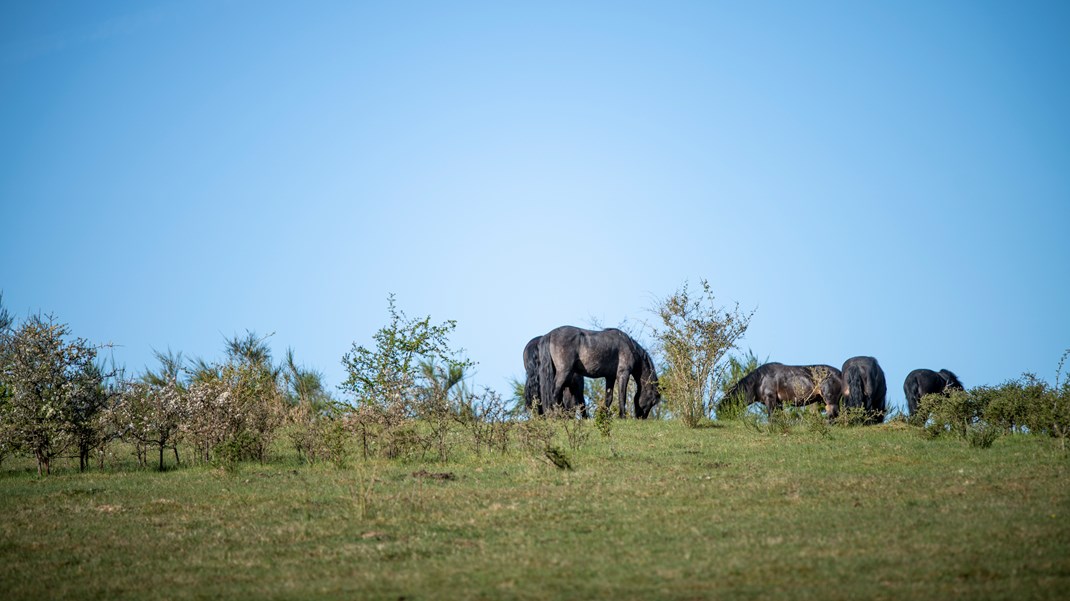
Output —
<point x="982" y="434"/>
<point x="558" y="457"/>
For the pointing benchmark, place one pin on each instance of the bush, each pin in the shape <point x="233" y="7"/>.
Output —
<point x="52" y="390"/>
<point x="406" y="377"/>
<point x="954" y="411"/>
<point x="694" y="337"/>
<point x="853" y="416"/>
<point x="982" y="434"/>
<point x="1049" y="412"/>
<point x="151" y="415"/>
<point x="1011" y="404"/>
<point x="236" y="407"/>
<point x="980" y="415"/>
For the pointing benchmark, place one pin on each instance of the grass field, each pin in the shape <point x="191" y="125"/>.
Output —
<point x="661" y="512"/>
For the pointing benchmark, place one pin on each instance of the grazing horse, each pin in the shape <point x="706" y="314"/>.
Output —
<point x="921" y="382"/>
<point x="573" y="393"/>
<point x="864" y="386"/>
<point x="567" y="352"/>
<point x="776" y="384"/>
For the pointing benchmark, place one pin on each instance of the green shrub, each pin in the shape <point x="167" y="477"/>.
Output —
<point x="816" y="423"/>
<point x="953" y="411"/>
<point x="731" y="407"/>
<point x="1049" y="413"/>
<point x="603" y="420"/>
<point x="852" y="416"/>
<point x="694" y="338"/>
<point x="982" y="434"/>
<point x="1010" y="404"/>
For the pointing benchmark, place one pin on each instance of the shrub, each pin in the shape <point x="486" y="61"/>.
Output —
<point x="1050" y="412"/>
<point x="488" y="419"/>
<point x="694" y="336"/>
<point x="51" y="385"/>
<point x="398" y="382"/>
<point x="852" y="416"/>
<point x="151" y="415"/>
<point x="953" y="411"/>
<point x="236" y="407"/>
<point x="982" y="434"/>
<point x="603" y="420"/>
<point x="1010" y="404"/>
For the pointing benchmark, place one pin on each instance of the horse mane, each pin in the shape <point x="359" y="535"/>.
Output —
<point x="646" y="360"/>
<point x="952" y="380"/>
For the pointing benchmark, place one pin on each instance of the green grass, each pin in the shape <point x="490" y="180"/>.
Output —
<point x="665" y="513"/>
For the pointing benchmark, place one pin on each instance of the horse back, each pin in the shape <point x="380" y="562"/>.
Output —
<point x="594" y="354"/>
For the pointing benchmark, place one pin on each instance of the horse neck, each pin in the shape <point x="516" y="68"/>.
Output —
<point x="644" y="366"/>
<point x="748" y="385"/>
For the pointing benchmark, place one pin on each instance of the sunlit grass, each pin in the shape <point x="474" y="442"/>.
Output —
<point x="656" y="511"/>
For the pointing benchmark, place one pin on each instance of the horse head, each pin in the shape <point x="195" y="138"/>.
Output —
<point x="951" y="380"/>
<point x="649" y="393"/>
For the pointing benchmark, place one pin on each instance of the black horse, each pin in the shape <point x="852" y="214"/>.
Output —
<point x="572" y="395"/>
<point x="775" y="384"/>
<point x="568" y="352"/>
<point x="864" y="386"/>
<point x="921" y="382"/>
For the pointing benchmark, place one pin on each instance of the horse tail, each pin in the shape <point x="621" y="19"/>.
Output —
<point x="856" y="388"/>
<point x="911" y="390"/>
<point x="547" y="374"/>
<point x="879" y="396"/>
<point x="531" y="383"/>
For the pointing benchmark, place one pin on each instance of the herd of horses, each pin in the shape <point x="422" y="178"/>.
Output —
<point x="557" y="362"/>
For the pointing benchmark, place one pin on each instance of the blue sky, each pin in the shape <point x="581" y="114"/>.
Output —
<point x="881" y="178"/>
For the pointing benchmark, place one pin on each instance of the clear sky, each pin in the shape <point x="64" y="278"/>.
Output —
<point x="880" y="178"/>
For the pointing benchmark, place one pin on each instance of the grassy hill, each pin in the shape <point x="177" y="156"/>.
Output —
<point x="657" y="511"/>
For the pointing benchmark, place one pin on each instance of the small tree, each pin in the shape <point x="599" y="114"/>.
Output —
<point x="316" y="430"/>
<point x="152" y="415"/>
<point x="694" y="336"/>
<point x="47" y="377"/>
<point x="236" y="407"/>
<point x="90" y="396"/>
<point x="388" y="384"/>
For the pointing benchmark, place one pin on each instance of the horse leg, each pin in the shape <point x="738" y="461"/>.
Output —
<point x="622" y="377"/>
<point x="561" y="378"/>
<point x="635" y="398"/>
<point x="770" y="399"/>
<point x="611" y="387"/>
<point x="575" y="388"/>
<point x="577" y="393"/>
